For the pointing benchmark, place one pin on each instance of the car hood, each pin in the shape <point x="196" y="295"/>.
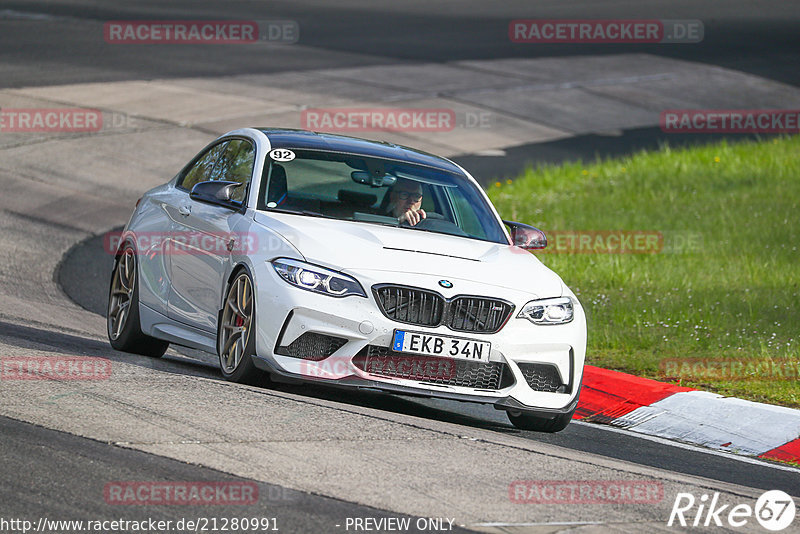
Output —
<point x="353" y="246"/>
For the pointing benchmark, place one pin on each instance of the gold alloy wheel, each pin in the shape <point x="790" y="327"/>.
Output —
<point x="235" y="325"/>
<point x="119" y="302"/>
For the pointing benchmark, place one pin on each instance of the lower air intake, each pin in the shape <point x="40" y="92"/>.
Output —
<point x="542" y="377"/>
<point x="312" y="346"/>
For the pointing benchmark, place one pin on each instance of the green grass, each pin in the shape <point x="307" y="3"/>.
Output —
<point x="733" y="296"/>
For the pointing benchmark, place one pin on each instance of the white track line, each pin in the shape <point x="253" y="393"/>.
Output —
<point x="689" y="447"/>
<point x="556" y="523"/>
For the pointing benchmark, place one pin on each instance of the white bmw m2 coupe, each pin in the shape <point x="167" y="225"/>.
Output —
<point x="337" y="260"/>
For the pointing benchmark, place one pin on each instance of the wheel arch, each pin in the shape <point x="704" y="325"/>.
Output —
<point x="126" y="238"/>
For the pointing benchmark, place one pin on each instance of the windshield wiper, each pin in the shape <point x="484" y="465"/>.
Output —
<point x="303" y="212"/>
<point x="390" y="225"/>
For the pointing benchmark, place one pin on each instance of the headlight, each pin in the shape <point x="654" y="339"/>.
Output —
<point x="317" y="279"/>
<point x="548" y="311"/>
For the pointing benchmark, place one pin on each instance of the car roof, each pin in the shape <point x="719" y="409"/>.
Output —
<point x="304" y="139"/>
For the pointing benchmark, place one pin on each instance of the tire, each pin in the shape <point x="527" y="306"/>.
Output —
<point x="526" y="421"/>
<point x="235" y="339"/>
<point x="122" y="315"/>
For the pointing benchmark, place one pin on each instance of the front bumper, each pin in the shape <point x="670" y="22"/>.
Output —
<point x="286" y="315"/>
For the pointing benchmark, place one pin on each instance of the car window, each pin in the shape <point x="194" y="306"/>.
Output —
<point x="322" y="178"/>
<point x="359" y="188"/>
<point x="330" y="182"/>
<point x="466" y="215"/>
<point x="202" y="168"/>
<point x="235" y="164"/>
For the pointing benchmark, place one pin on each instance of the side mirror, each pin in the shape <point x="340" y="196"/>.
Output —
<point x="219" y="193"/>
<point x="527" y="237"/>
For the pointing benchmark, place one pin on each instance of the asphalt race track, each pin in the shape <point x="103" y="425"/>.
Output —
<point x="759" y="38"/>
<point x="317" y="456"/>
<point x="86" y="287"/>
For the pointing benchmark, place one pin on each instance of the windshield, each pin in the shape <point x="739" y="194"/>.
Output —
<point x="376" y="191"/>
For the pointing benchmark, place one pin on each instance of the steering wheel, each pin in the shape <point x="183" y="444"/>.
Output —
<point x="436" y="222"/>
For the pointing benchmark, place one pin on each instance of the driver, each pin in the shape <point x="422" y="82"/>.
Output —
<point x="405" y="202"/>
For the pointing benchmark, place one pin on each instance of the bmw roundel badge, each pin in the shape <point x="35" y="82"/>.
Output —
<point x="446" y="283"/>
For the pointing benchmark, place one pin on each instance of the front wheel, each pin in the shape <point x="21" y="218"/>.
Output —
<point x="122" y="319"/>
<point x="235" y="338"/>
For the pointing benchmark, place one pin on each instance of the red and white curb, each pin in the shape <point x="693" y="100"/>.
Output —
<point x="690" y="416"/>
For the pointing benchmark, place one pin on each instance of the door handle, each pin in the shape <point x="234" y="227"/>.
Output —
<point x="185" y="210"/>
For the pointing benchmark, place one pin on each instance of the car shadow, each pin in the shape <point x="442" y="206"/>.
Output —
<point x="30" y="338"/>
<point x="388" y="402"/>
<point x="195" y="363"/>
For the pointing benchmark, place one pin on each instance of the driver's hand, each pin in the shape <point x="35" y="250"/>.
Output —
<point x="413" y="217"/>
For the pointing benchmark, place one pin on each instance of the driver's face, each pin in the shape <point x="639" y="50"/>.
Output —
<point x="406" y="197"/>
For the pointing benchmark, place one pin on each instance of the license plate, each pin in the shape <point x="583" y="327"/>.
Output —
<point x="444" y="346"/>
